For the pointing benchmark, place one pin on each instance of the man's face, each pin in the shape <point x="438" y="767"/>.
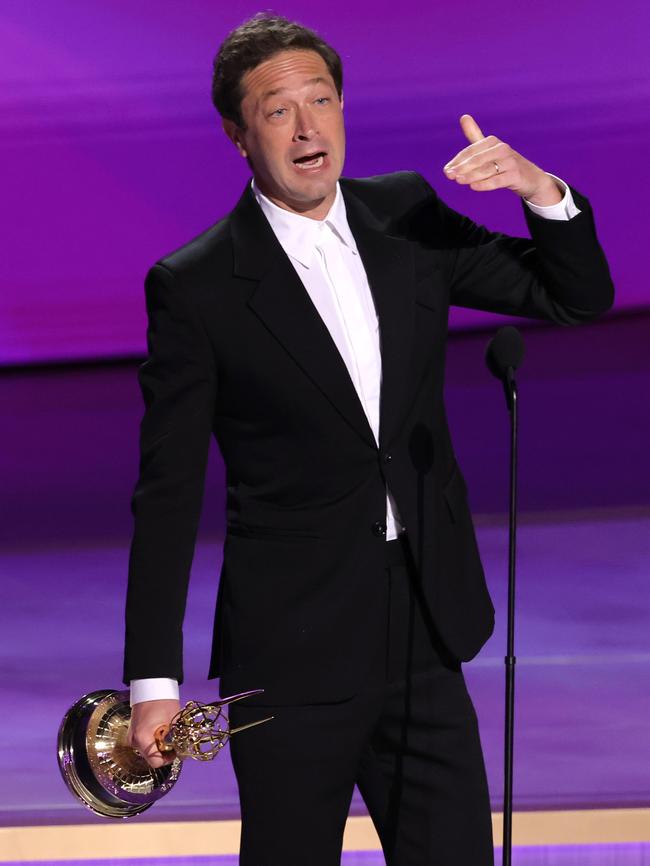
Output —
<point x="291" y="111"/>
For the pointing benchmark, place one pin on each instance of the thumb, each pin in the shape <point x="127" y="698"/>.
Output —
<point x="471" y="128"/>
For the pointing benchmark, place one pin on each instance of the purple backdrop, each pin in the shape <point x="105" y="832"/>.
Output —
<point x="113" y="155"/>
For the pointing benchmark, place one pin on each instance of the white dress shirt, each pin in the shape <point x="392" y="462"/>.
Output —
<point x="325" y="257"/>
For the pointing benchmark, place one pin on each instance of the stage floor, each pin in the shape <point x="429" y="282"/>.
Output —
<point x="606" y="855"/>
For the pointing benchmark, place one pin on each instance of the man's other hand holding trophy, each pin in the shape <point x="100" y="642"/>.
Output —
<point x="118" y="760"/>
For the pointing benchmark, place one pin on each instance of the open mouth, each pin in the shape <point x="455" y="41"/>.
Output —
<point x="311" y="160"/>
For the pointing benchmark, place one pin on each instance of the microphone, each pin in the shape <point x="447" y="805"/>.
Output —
<point x="503" y="355"/>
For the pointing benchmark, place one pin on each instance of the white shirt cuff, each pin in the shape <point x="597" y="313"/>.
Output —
<point x="563" y="210"/>
<point x="154" y="689"/>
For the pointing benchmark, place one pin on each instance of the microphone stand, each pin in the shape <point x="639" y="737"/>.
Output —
<point x="510" y="387"/>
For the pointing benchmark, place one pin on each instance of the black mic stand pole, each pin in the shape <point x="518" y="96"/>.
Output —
<point x="504" y="355"/>
<point x="510" y="387"/>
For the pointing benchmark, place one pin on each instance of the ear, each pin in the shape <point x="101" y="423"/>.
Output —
<point x="341" y="100"/>
<point x="235" y="134"/>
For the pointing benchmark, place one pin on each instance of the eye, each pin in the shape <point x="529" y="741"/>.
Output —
<point x="322" y="99"/>
<point x="277" y="112"/>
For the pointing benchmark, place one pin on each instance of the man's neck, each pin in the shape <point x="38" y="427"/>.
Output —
<point x="317" y="210"/>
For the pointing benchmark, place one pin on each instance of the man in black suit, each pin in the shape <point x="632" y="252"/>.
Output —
<point x="307" y="332"/>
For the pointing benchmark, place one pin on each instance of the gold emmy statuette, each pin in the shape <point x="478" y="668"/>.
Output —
<point x="110" y="777"/>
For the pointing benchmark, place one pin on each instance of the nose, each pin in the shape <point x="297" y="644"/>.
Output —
<point x="305" y="126"/>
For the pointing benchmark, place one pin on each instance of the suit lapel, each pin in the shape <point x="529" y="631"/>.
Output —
<point x="283" y="304"/>
<point x="388" y="262"/>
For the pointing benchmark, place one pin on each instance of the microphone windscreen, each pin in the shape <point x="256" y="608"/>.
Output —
<point x="505" y="349"/>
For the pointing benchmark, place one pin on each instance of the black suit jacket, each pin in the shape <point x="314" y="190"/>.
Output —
<point x="236" y="348"/>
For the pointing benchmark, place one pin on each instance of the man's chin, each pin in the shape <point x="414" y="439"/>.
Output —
<point x="314" y="193"/>
<point x="312" y="189"/>
<point x="308" y="195"/>
<point x="297" y="193"/>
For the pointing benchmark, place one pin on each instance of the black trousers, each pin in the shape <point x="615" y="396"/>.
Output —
<point x="409" y="740"/>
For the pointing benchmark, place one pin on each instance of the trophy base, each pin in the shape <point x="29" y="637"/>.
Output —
<point x="98" y="766"/>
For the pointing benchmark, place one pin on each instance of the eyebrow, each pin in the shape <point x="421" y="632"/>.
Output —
<point x="318" y="80"/>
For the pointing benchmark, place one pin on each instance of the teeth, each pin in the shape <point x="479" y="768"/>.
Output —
<point x="313" y="163"/>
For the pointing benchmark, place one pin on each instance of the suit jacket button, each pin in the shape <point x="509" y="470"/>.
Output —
<point x="388" y="458"/>
<point x="378" y="529"/>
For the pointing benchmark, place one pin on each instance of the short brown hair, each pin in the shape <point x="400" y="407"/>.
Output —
<point x="255" y="41"/>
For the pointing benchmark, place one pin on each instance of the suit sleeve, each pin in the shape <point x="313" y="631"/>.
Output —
<point x="560" y="273"/>
<point x="178" y="383"/>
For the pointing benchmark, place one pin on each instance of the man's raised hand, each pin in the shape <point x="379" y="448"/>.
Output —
<point x="475" y="166"/>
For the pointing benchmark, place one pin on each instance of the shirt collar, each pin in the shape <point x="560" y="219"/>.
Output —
<point x="298" y="234"/>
